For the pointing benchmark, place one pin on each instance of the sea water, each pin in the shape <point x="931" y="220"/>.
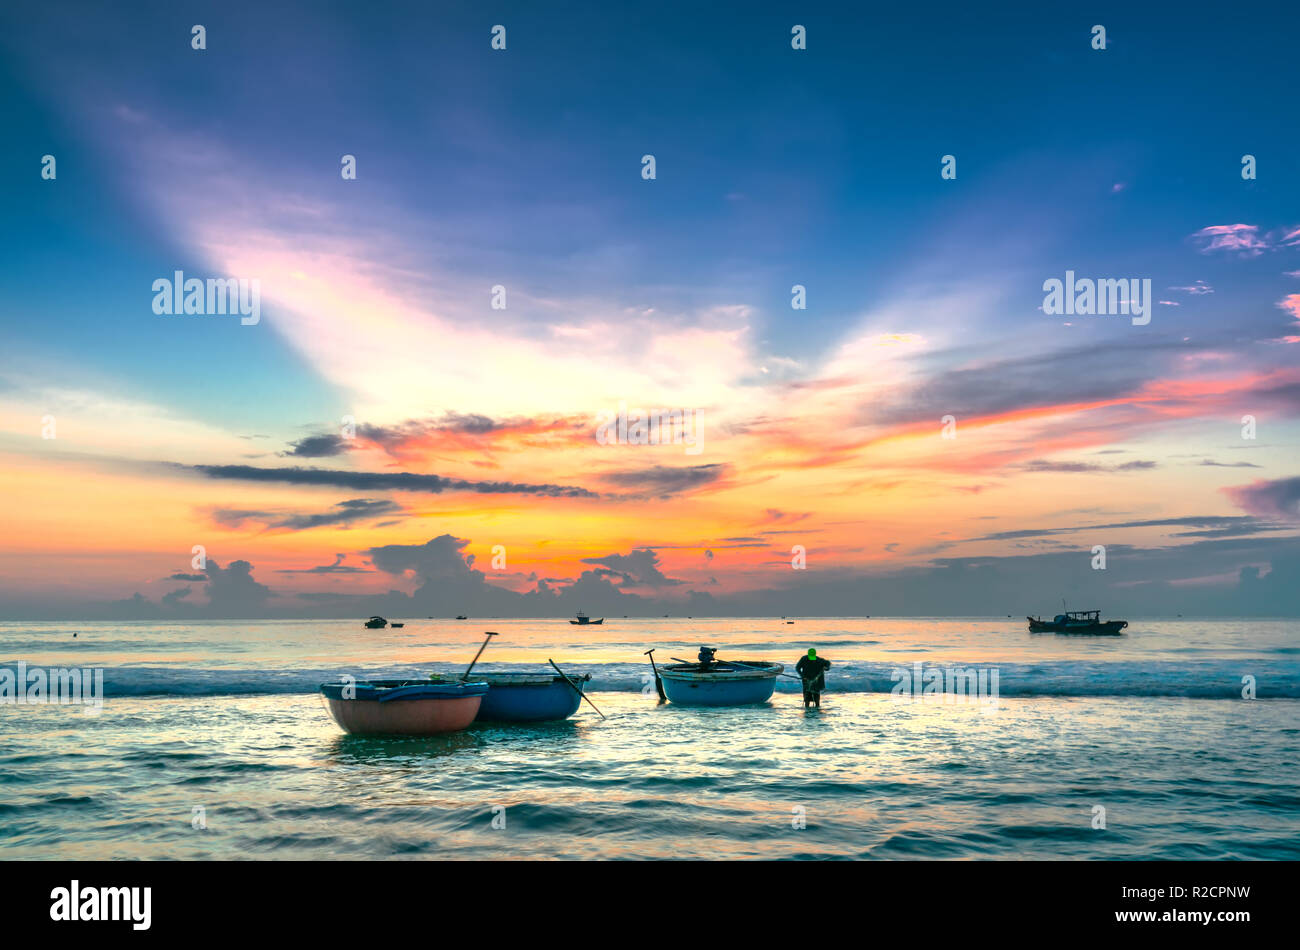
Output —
<point x="1180" y="739"/>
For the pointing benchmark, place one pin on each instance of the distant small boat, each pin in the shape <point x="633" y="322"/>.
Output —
<point x="1078" y="622"/>
<point x="376" y="622"/>
<point x="720" y="683"/>
<point x="530" y="697"/>
<point x="396" y="625"/>
<point x="404" y="707"/>
<point x="583" y="620"/>
<point x="461" y="617"/>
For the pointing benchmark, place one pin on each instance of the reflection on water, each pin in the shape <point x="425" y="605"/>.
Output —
<point x="385" y="750"/>
<point x="867" y="776"/>
<point x="864" y="777"/>
<point x="336" y="645"/>
<point x="397" y="751"/>
<point x="1165" y="658"/>
<point x="555" y="735"/>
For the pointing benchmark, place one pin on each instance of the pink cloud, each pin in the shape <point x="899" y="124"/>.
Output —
<point x="1291" y="304"/>
<point x="1239" y="238"/>
<point x="1198" y="288"/>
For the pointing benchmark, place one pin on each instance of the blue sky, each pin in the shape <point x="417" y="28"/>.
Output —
<point x="775" y="167"/>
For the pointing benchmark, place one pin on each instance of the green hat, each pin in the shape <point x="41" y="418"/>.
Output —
<point x="812" y="653"/>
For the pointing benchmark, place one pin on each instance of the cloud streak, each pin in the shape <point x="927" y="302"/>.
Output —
<point x="344" y="514"/>
<point x="379" y="481"/>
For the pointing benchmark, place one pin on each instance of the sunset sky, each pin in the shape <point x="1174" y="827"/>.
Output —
<point x="522" y="168"/>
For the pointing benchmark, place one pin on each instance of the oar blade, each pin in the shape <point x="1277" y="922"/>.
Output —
<point x="576" y="688"/>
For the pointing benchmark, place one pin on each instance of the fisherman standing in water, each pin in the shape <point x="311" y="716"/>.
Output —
<point x="812" y="671"/>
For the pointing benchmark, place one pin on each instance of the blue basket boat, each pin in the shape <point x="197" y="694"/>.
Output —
<point x="529" y="697"/>
<point x="720" y="683"/>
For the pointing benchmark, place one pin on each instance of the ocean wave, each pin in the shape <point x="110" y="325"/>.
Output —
<point x="1216" y="679"/>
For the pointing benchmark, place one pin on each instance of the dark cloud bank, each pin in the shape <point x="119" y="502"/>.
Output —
<point x="1215" y="576"/>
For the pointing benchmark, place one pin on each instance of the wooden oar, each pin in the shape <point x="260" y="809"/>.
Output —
<point x="659" y="684"/>
<point x="747" y="666"/>
<point x="575" y="686"/>
<point x="464" y="676"/>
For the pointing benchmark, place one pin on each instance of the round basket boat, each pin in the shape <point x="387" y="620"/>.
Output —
<point x="404" y="707"/>
<point x="721" y="683"/>
<point x="530" y="697"/>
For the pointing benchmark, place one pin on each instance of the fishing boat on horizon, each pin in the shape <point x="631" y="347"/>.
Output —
<point x="1079" y="623"/>
<point x="376" y="622"/>
<point x="583" y="620"/>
